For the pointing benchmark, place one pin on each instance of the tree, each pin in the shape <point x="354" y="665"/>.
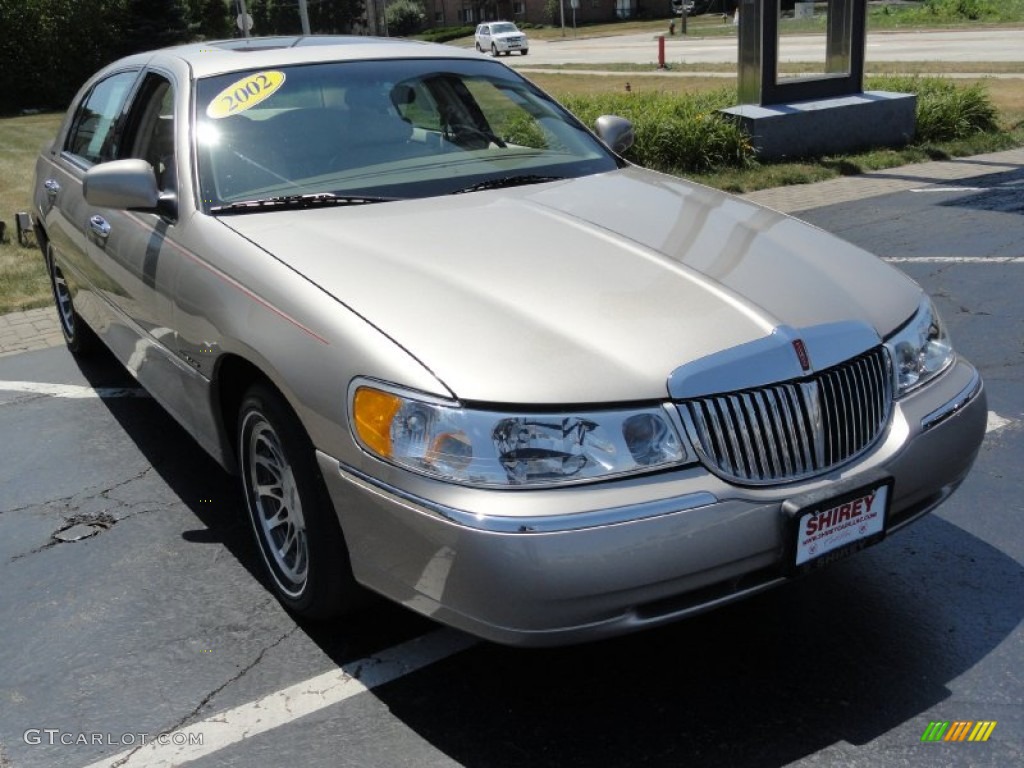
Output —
<point x="154" y="24"/>
<point x="212" y="22"/>
<point x="49" y="48"/>
<point x="404" y="17"/>
<point x="334" y="17"/>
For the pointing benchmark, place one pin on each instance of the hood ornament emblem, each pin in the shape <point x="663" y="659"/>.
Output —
<point x="801" y="354"/>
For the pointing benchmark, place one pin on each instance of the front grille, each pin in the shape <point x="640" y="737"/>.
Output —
<point x="794" y="429"/>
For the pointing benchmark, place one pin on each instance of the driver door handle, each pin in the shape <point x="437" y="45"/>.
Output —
<point x="99" y="227"/>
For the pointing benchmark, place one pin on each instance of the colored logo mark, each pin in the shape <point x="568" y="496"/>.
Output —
<point x="958" y="730"/>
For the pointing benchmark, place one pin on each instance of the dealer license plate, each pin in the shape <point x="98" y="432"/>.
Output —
<point x="829" y="527"/>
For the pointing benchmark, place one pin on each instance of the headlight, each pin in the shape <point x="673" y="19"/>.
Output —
<point x="920" y="349"/>
<point x="489" y="448"/>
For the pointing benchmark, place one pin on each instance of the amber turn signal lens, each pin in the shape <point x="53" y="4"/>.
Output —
<point x="373" y="412"/>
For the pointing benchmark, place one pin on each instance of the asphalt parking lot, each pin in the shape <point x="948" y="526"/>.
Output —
<point x="154" y="622"/>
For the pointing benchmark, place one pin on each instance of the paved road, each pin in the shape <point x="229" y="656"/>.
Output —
<point x="157" y="624"/>
<point x="955" y="46"/>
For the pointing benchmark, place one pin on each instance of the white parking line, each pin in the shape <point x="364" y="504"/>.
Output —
<point x="995" y="421"/>
<point x="951" y="189"/>
<point x="70" y="390"/>
<point x="954" y="259"/>
<point x="282" y="707"/>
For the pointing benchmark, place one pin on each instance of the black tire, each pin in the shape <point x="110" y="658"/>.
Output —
<point x="478" y="48"/>
<point x="79" y="337"/>
<point x="297" y="532"/>
<point x="494" y="50"/>
<point x="524" y="51"/>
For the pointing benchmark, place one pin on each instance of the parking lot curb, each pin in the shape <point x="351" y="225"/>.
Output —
<point x="38" y="328"/>
<point x="804" y="197"/>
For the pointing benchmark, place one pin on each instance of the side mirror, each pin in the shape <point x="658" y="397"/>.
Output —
<point x="124" y="184"/>
<point x="616" y="132"/>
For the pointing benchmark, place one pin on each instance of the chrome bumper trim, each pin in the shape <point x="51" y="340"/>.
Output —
<point x="534" y="524"/>
<point x="955" y="405"/>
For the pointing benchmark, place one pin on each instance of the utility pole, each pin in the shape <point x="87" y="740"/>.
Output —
<point x="245" y="18"/>
<point x="304" y="16"/>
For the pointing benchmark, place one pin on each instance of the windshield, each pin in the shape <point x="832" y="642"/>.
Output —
<point x="497" y="29"/>
<point x="381" y="129"/>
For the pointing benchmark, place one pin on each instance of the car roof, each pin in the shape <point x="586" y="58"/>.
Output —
<point x="222" y="56"/>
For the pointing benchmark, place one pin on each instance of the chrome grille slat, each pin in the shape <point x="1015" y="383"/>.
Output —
<point x="733" y="436"/>
<point x="795" y="429"/>
<point x="780" y="431"/>
<point x="757" y="431"/>
<point x="739" y="417"/>
<point x="803" y="455"/>
<point x="769" y="429"/>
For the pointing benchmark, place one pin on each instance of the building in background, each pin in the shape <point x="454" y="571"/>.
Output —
<point x="454" y="13"/>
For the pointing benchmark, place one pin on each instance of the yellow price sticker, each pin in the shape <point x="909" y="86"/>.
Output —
<point x="244" y="94"/>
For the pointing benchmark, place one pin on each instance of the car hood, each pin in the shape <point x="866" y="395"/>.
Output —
<point x="590" y="290"/>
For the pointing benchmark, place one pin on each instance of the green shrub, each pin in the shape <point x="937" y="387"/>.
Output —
<point x="954" y="12"/>
<point x="687" y="134"/>
<point x="674" y="133"/>
<point x="444" y="34"/>
<point x="945" y="110"/>
<point x="404" y="17"/>
<point x="972" y="10"/>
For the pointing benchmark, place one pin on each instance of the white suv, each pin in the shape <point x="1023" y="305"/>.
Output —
<point x="501" y="37"/>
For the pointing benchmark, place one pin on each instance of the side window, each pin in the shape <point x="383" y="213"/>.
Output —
<point x="93" y="136"/>
<point x="416" y="105"/>
<point x="149" y="134"/>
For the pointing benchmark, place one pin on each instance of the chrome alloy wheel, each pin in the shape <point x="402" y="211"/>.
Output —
<point x="275" y="505"/>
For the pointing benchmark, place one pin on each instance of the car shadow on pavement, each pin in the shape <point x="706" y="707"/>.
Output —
<point x="215" y="498"/>
<point x="852" y="654"/>
<point x="209" y="492"/>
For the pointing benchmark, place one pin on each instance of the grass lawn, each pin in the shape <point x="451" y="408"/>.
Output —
<point x="23" y="282"/>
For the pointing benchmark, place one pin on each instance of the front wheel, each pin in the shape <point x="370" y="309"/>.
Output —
<point x="296" y="529"/>
<point x="524" y="51"/>
<point x="78" y="336"/>
<point x="494" y="50"/>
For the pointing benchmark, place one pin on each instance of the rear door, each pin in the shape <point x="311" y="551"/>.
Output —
<point x="91" y="137"/>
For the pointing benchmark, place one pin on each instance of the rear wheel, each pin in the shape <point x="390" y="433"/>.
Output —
<point x="78" y="336"/>
<point x="292" y="517"/>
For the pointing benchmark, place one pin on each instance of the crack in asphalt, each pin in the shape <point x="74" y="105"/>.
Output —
<point x="72" y="514"/>
<point x="22" y="401"/>
<point x="81" y="497"/>
<point x="209" y="697"/>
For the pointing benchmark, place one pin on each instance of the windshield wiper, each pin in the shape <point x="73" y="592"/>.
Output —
<point x="508" y="181"/>
<point x="299" y="202"/>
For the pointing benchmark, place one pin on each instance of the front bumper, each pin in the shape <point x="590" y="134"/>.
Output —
<point x="554" y="566"/>
<point x="506" y="46"/>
